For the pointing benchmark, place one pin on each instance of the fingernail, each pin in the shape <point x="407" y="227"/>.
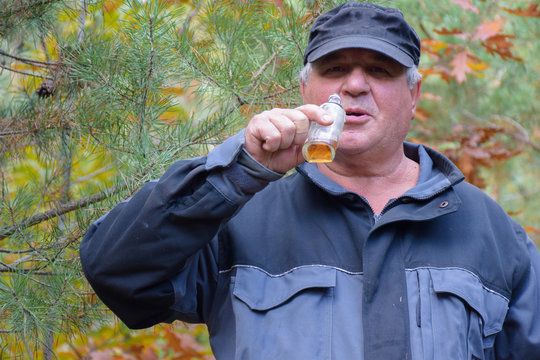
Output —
<point x="327" y="118"/>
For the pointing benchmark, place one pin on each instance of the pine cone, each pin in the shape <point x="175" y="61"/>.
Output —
<point x="46" y="89"/>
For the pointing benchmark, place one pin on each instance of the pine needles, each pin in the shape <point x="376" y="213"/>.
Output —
<point x="102" y="97"/>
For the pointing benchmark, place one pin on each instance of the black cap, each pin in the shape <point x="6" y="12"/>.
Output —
<point x="364" y="26"/>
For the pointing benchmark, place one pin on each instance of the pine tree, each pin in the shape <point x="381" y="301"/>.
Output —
<point x="97" y="99"/>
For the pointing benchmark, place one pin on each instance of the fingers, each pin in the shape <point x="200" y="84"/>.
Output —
<point x="316" y="113"/>
<point x="280" y="128"/>
<point x="275" y="133"/>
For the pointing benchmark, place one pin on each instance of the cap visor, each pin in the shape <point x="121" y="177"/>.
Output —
<point x="362" y="42"/>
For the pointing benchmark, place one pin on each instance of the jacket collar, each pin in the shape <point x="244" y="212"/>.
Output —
<point x="437" y="173"/>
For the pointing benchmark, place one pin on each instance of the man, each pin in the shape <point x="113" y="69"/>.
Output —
<point x="384" y="253"/>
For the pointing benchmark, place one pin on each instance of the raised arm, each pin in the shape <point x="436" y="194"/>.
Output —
<point x="131" y="255"/>
<point x="153" y="258"/>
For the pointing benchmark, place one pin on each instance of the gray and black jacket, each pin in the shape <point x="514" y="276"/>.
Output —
<point x="297" y="267"/>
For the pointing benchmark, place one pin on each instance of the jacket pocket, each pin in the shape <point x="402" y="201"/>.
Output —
<point x="285" y="316"/>
<point x="457" y="317"/>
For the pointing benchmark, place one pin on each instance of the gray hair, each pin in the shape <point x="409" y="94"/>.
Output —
<point x="413" y="75"/>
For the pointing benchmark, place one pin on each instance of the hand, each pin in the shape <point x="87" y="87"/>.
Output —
<point x="275" y="137"/>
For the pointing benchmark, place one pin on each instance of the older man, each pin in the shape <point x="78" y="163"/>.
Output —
<point x="384" y="253"/>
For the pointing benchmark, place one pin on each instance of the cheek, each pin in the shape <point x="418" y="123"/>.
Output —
<point x="397" y="102"/>
<point x="395" y="106"/>
<point x="309" y="96"/>
<point x="316" y="93"/>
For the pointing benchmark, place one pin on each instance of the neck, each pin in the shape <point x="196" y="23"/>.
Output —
<point x="377" y="180"/>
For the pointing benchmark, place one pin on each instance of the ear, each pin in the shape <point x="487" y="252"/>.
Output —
<point x="415" y="97"/>
<point x="302" y="89"/>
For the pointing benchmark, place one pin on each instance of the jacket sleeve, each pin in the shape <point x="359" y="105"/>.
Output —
<point x="520" y="337"/>
<point x="153" y="257"/>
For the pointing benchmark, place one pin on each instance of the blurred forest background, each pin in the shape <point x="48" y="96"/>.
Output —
<point x="99" y="96"/>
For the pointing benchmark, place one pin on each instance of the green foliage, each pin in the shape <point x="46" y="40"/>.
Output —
<point x="498" y="95"/>
<point x="33" y="16"/>
<point x="99" y="97"/>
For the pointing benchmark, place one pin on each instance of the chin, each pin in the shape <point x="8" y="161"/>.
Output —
<point x="353" y="143"/>
<point x="349" y="151"/>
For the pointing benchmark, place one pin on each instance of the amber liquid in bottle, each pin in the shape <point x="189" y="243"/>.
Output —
<point x="320" y="151"/>
<point x="322" y="141"/>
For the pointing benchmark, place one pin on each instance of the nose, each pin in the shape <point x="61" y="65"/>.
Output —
<point x="356" y="82"/>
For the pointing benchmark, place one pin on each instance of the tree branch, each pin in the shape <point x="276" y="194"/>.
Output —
<point x="53" y="213"/>
<point x="149" y="74"/>
<point x="188" y="20"/>
<point x="29" y="6"/>
<point x="26" y="60"/>
<point x="9" y="251"/>
<point x="26" y="73"/>
<point x="82" y="21"/>
<point x="10" y="270"/>
<point x="13" y="132"/>
<point x="259" y="72"/>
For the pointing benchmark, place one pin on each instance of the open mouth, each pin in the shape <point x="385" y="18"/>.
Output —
<point x="356" y="116"/>
<point x="355" y="113"/>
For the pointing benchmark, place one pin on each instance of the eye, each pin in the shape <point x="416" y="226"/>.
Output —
<point x="378" y="70"/>
<point x="334" y="70"/>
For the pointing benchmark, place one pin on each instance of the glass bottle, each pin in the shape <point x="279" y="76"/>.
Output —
<point x="322" y="141"/>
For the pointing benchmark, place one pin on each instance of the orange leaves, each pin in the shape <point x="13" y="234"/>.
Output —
<point x="457" y="59"/>
<point x="494" y="41"/>
<point x="499" y="44"/>
<point x="184" y="345"/>
<point x="455" y="62"/>
<point x="482" y="146"/>
<point x="175" y="342"/>
<point x="530" y="11"/>
<point x="467" y="5"/>
<point x="279" y="3"/>
<point x="488" y="29"/>
<point x="110" y="5"/>
<point x="532" y="230"/>
<point x="175" y="2"/>
<point x="421" y="114"/>
<point x="433" y="47"/>
<point x="464" y="63"/>
<point x="445" y="31"/>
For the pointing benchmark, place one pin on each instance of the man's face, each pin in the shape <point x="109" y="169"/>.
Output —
<point x="374" y="94"/>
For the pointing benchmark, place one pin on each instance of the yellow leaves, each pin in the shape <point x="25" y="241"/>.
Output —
<point x="478" y="66"/>
<point x="457" y="60"/>
<point x="110" y="6"/>
<point x="464" y="63"/>
<point x="433" y="45"/>
<point x="86" y="170"/>
<point x="175" y="342"/>
<point x="184" y="345"/>
<point x="175" y="90"/>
